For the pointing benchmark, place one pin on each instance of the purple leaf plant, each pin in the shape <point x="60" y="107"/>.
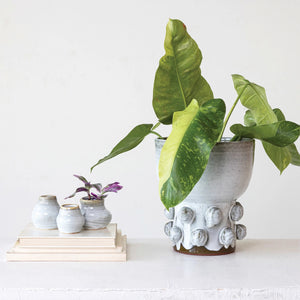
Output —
<point x="99" y="192"/>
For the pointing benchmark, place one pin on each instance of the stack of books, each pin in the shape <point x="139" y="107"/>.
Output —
<point x="34" y="244"/>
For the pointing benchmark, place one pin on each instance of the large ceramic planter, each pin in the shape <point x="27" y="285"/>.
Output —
<point x="205" y="222"/>
<point x="95" y="213"/>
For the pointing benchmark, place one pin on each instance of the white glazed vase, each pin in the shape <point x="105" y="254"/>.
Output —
<point x="45" y="212"/>
<point x="205" y="222"/>
<point x="95" y="213"/>
<point x="70" y="219"/>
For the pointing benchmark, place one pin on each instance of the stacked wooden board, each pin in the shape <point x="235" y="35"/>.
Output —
<point x="34" y="244"/>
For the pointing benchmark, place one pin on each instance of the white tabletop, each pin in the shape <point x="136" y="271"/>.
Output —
<point x="260" y="269"/>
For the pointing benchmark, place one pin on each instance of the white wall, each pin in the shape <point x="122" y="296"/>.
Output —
<point x="76" y="76"/>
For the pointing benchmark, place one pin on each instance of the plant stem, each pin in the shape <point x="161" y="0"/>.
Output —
<point x="156" y="125"/>
<point x="230" y="112"/>
<point x="156" y="133"/>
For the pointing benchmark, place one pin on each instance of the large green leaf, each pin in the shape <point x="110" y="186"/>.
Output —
<point x="186" y="152"/>
<point x="280" y="134"/>
<point x="178" y="78"/>
<point x="295" y="156"/>
<point x="255" y="99"/>
<point x="281" y="156"/>
<point x="130" y="141"/>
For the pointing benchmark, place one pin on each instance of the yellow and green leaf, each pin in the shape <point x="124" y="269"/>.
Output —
<point x="186" y="152"/>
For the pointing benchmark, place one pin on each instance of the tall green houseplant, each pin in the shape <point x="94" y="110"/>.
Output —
<point x="183" y="98"/>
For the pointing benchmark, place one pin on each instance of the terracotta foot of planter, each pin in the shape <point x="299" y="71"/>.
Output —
<point x="202" y="251"/>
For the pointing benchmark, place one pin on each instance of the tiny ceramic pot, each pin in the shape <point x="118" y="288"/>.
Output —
<point x="45" y="212"/>
<point x="70" y="219"/>
<point x="95" y="213"/>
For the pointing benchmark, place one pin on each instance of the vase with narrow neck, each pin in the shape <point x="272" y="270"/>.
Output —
<point x="95" y="213"/>
<point x="45" y="212"/>
<point x="205" y="222"/>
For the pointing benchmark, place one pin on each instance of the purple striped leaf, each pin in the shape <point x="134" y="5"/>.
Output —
<point x="112" y="187"/>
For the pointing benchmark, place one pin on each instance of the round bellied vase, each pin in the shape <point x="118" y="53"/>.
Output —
<point x="45" y="212"/>
<point x="95" y="213"/>
<point x="205" y="223"/>
<point x="70" y="219"/>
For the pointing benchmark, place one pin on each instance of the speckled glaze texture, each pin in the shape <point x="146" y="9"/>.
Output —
<point x="95" y="214"/>
<point x="70" y="219"/>
<point x="45" y="212"/>
<point x="208" y="216"/>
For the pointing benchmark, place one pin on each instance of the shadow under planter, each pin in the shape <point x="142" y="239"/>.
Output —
<point x="205" y="222"/>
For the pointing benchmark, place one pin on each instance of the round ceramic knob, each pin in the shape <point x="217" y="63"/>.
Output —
<point x="170" y="213"/>
<point x="168" y="227"/>
<point x="213" y="216"/>
<point x="186" y="215"/>
<point x="241" y="231"/>
<point x="227" y="237"/>
<point x="236" y="212"/>
<point x="175" y="234"/>
<point x="199" y="237"/>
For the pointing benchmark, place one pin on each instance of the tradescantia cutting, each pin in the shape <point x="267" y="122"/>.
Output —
<point x="183" y="98"/>
<point x="98" y="193"/>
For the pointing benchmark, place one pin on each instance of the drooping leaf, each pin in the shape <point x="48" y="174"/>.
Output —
<point x="254" y="98"/>
<point x="280" y="134"/>
<point x="178" y="78"/>
<point x="130" y="141"/>
<point x="186" y="152"/>
<point x="295" y="156"/>
<point x="281" y="156"/>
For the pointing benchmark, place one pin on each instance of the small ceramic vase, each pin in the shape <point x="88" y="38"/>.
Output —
<point x="45" y="212"/>
<point x="95" y="213"/>
<point x="70" y="219"/>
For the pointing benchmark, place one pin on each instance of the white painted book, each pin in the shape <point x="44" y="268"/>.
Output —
<point x="18" y="253"/>
<point x="34" y="244"/>
<point x="34" y="237"/>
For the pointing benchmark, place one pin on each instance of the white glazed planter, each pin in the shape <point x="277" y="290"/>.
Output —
<point x="45" y="212"/>
<point x="205" y="222"/>
<point x="70" y="219"/>
<point x="95" y="213"/>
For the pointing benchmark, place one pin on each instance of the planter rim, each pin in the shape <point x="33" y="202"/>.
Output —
<point x="223" y="140"/>
<point x="69" y="206"/>
<point x="94" y="201"/>
<point x="47" y="197"/>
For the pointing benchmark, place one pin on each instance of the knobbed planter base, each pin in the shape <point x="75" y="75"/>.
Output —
<point x="205" y="223"/>
<point x="202" y="251"/>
